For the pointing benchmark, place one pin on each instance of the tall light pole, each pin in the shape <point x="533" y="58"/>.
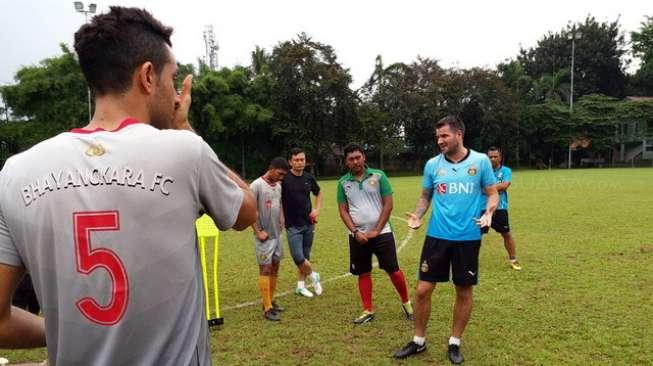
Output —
<point x="79" y="7"/>
<point x="574" y="35"/>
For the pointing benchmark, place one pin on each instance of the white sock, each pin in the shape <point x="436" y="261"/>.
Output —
<point x="313" y="276"/>
<point x="300" y="284"/>
<point x="419" y="340"/>
<point x="455" y="341"/>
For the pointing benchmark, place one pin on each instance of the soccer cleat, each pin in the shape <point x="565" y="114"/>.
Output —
<point x="410" y="349"/>
<point x="408" y="310"/>
<point x="515" y="265"/>
<point x="277" y="308"/>
<point x="303" y="292"/>
<point x="455" y="356"/>
<point x="317" y="286"/>
<point x="366" y="317"/>
<point x="272" y="315"/>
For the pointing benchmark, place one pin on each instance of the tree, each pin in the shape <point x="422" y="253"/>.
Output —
<point x="54" y="92"/>
<point x="224" y="111"/>
<point x="311" y="97"/>
<point x="642" y="42"/>
<point x="599" y="65"/>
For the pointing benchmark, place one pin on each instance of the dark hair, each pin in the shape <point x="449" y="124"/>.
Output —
<point x="351" y="147"/>
<point x="494" y="148"/>
<point x="279" y="163"/>
<point x="294" y="151"/>
<point x="114" y="44"/>
<point x="455" y="123"/>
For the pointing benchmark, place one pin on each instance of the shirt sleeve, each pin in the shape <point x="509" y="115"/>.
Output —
<point x="8" y="251"/>
<point x="219" y="194"/>
<point x="342" y="198"/>
<point x="507" y="174"/>
<point x="427" y="180"/>
<point x="384" y="183"/>
<point x="315" y="188"/>
<point x="487" y="175"/>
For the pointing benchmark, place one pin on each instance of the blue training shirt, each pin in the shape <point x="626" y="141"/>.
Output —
<point x="457" y="194"/>
<point x="503" y="174"/>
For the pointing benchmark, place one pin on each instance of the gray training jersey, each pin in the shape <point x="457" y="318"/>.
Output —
<point x="104" y="223"/>
<point x="268" y="203"/>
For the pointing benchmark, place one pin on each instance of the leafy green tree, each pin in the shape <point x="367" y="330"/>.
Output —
<point x="598" y="60"/>
<point x="53" y="92"/>
<point x="224" y="111"/>
<point x="312" y="101"/>
<point x="642" y="43"/>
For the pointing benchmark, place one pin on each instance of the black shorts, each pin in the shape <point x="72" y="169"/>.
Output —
<point x="360" y="255"/>
<point x="500" y="222"/>
<point x="439" y="255"/>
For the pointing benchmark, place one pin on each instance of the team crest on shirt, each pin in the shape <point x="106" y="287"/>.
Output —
<point x="441" y="173"/>
<point x="472" y="170"/>
<point x="424" y="267"/>
<point x="95" y="150"/>
<point x="373" y="181"/>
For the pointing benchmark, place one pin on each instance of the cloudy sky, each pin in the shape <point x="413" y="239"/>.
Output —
<point x="461" y="33"/>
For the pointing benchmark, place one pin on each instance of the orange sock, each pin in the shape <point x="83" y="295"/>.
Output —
<point x="264" y="286"/>
<point x="273" y="286"/>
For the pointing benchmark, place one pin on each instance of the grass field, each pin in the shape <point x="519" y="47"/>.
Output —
<point x="585" y="295"/>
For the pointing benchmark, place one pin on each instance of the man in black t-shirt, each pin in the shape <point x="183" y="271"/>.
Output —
<point x="300" y="219"/>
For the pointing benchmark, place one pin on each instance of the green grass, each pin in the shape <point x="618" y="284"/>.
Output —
<point x="585" y="295"/>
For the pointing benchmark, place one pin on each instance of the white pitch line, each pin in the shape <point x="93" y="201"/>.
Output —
<point x="403" y="244"/>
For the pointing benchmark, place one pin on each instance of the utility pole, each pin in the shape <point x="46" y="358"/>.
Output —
<point x="211" y="48"/>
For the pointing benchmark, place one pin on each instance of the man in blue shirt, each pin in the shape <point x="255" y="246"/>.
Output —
<point x="455" y="181"/>
<point x="500" y="222"/>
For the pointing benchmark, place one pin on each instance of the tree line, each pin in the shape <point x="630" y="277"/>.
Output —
<point x="299" y="94"/>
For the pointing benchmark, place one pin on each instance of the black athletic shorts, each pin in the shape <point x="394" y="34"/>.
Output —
<point x="439" y="255"/>
<point x="360" y="255"/>
<point x="500" y="222"/>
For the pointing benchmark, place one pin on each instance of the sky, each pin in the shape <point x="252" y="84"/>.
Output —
<point x="460" y="33"/>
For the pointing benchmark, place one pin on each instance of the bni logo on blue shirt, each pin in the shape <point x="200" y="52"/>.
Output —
<point x="455" y="188"/>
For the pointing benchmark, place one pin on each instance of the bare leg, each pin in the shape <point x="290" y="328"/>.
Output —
<point x="422" y="306"/>
<point x="509" y="243"/>
<point x="462" y="310"/>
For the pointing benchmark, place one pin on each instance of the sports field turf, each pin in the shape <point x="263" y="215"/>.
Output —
<point x="585" y="295"/>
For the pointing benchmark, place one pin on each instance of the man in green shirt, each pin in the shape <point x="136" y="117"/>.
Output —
<point x="365" y="204"/>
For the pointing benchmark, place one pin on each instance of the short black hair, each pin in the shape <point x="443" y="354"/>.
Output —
<point x="455" y="123"/>
<point x="494" y="148"/>
<point x="294" y="151"/>
<point x="279" y="163"/>
<point x="351" y="147"/>
<point x="114" y="44"/>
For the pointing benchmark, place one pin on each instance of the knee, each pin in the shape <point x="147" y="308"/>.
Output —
<point x="464" y="293"/>
<point x="266" y="270"/>
<point x="422" y="293"/>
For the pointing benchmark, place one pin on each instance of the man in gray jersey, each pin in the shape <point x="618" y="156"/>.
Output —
<point x="103" y="217"/>
<point x="267" y="232"/>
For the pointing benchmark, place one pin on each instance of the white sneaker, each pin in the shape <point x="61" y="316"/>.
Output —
<point x="317" y="286"/>
<point x="303" y="292"/>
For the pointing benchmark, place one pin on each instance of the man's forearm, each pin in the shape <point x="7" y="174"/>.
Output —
<point x="346" y="218"/>
<point x="238" y="180"/>
<point x="385" y="214"/>
<point x="318" y="201"/>
<point x="21" y="329"/>
<point x="492" y="203"/>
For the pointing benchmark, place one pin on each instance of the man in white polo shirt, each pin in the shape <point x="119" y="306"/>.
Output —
<point x="365" y="205"/>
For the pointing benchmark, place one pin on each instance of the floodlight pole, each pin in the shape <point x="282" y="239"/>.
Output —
<point x="573" y="36"/>
<point x="79" y="7"/>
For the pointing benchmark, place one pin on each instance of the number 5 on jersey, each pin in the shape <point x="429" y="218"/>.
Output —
<point x="88" y="260"/>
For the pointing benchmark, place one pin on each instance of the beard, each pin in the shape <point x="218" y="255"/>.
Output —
<point x="160" y="116"/>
